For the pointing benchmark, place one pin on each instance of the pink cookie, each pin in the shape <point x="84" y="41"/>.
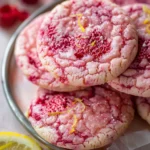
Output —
<point x="28" y="60"/>
<point x="143" y="107"/>
<point x="87" y="42"/>
<point x="127" y="2"/>
<point x="136" y="79"/>
<point x="86" y="119"/>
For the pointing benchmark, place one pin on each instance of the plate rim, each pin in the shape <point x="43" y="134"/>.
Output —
<point x="9" y="51"/>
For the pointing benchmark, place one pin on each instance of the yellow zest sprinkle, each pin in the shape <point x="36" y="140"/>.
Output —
<point x="27" y="114"/>
<point x="76" y="15"/>
<point x="6" y="146"/>
<point x="80" y="25"/>
<point x="79" y="21"/>
<point x="75" y="120"/>
<point x="69" y="110"/>
<point x="146" y="21"/>
<point x="55" y="113"/>
<point x="93" y="43"/>
<point x="77" y="100"/>
<point x="55" y="75"/>
<point x="146" y="9"/>
<point x="78" y="45"/>
<point x="80" y="101"/>
<point x="148" y="29"/>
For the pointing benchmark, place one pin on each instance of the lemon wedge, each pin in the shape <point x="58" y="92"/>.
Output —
<point x="16" y="141"/>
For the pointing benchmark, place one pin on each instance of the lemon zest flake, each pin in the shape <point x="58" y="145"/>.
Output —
<point x="93" y="43"/>
<point x="59" y="113"/>
<point x="80" y="25"/>
<point x="77" y="45"/>
<point x="6" y="146"/>
<point x="148" y="29"/>
<point x="55" y="75"/>
<point x="55" y="113"/>
<point x="76" y="15"/>
<point x="69" y="110"/>
<point x="77" y="100"/>
<point x="146" y="9"/>
<point x="27" y="114"/>
<point x="146" y="21"/>
<point x="80" y="101"/>
<point x="79" y="21"/>
<point x="75" y="120"/>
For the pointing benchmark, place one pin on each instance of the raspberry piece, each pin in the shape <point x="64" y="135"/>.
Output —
<point x="31" y="2"/>
<point x="22" y="15"/>
<point x="8" y="15"/>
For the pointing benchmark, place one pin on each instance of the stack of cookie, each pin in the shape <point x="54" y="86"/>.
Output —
<point x="86" y="56"/>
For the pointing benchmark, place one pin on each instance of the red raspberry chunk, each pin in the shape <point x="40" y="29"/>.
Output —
<point x="8" y="15"/>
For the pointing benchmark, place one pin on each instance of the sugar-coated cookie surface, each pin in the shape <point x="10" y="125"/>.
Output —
<point x="143" y="107"/>
<point x="136" y="79"/>
<point x="86" y="119"/>
<point x="28" y="60"/>
<point x="87" y="42"/>
<point x="127" y="2"/>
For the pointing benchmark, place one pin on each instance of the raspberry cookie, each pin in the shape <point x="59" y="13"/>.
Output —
<point x="28" y="60"/>
<point x="143" y="107"/>
<point x="86" y="119"/>
<point x="87" y="42"/>
<point x="136" y="79"/>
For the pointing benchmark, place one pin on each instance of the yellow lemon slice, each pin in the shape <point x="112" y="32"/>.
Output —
<point x="16" y="141"/>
